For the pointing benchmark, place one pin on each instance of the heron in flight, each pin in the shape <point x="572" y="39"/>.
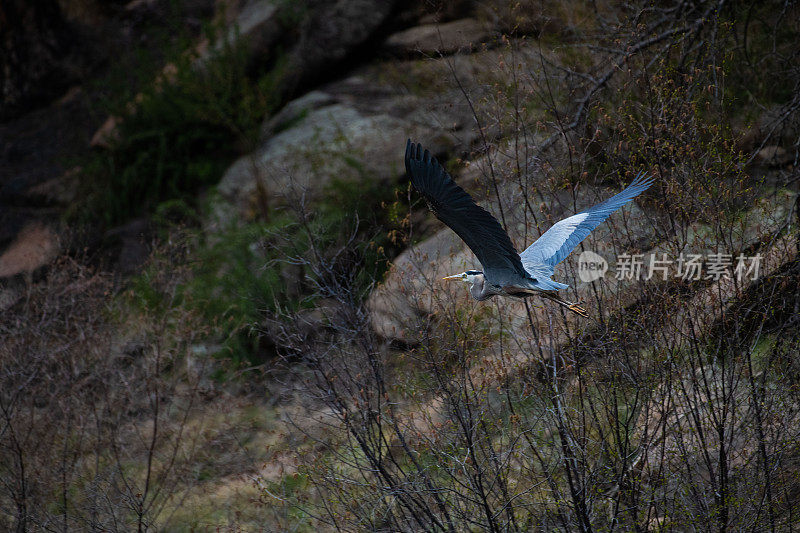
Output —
<point x="504" y="271"/>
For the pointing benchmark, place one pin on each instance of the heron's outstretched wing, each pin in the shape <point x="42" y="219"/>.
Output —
<point x="556" y="243"/>
<point x="453" y="206"/>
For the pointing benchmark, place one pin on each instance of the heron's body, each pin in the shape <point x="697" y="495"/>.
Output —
<point x="506" y="272"/>
<point x="484" y="285"/>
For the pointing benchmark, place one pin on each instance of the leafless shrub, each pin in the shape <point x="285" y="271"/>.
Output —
<point x="94" y="411"/>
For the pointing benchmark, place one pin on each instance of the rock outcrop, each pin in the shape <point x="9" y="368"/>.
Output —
<point x="447" y="38"/>
<point x="314" y="38"/>
<point x="321" y="140"/>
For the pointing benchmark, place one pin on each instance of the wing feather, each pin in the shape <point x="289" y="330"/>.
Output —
<point x="455" y="207"/>
<point x="557" y="243"/>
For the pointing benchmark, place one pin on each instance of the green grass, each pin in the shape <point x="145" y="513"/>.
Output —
<point x="243" y="273"/>
<point x="179" y="135"/>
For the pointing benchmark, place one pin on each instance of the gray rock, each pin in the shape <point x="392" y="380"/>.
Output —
<point x="329" y="34"/>
<point x="430" y="93"/>
<point x="333" y="141"/>
<point x="295" y="111"/>
<point x="259" y="25"/>
<point x="400" y="305"/>
<point x="447" y="38"/>
<point x="446" y="113"/>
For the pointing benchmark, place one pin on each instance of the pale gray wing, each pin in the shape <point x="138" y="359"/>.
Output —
<point x="556" y="243"/>
<point x="452" y="205"/>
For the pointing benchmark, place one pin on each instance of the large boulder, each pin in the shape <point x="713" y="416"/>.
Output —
<point x="331" y="31"/>
<point x="321" y="140"/>
<point x="357" y="127"/>
<point x="413" y="288"/>
<point x="455" y="94"/>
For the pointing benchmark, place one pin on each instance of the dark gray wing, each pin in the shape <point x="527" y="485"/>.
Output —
<point x="452" y="205"/>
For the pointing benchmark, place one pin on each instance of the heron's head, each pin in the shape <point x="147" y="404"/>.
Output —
<point x="470" y="276"/>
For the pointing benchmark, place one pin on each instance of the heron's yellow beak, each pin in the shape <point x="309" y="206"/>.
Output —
<point x="457" y="276"/>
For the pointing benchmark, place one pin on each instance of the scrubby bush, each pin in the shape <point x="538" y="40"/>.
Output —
<point x="179" y="134"/>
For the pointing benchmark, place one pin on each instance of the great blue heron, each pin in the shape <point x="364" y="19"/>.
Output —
<point x="506" y="272"/>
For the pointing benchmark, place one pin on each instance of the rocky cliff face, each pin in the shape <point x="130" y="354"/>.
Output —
<point x="539" y="110"/>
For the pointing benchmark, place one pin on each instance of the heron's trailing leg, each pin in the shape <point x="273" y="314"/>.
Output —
<point x="579" y="310"/>
<point x="575" y="308"/>
<point x="550" y="295"/>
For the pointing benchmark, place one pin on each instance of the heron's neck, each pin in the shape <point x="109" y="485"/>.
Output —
<point x="477" y="289"/>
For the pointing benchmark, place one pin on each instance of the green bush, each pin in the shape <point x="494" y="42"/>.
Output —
<point x="180" y="133"/>
<point x="243" y="274"/>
